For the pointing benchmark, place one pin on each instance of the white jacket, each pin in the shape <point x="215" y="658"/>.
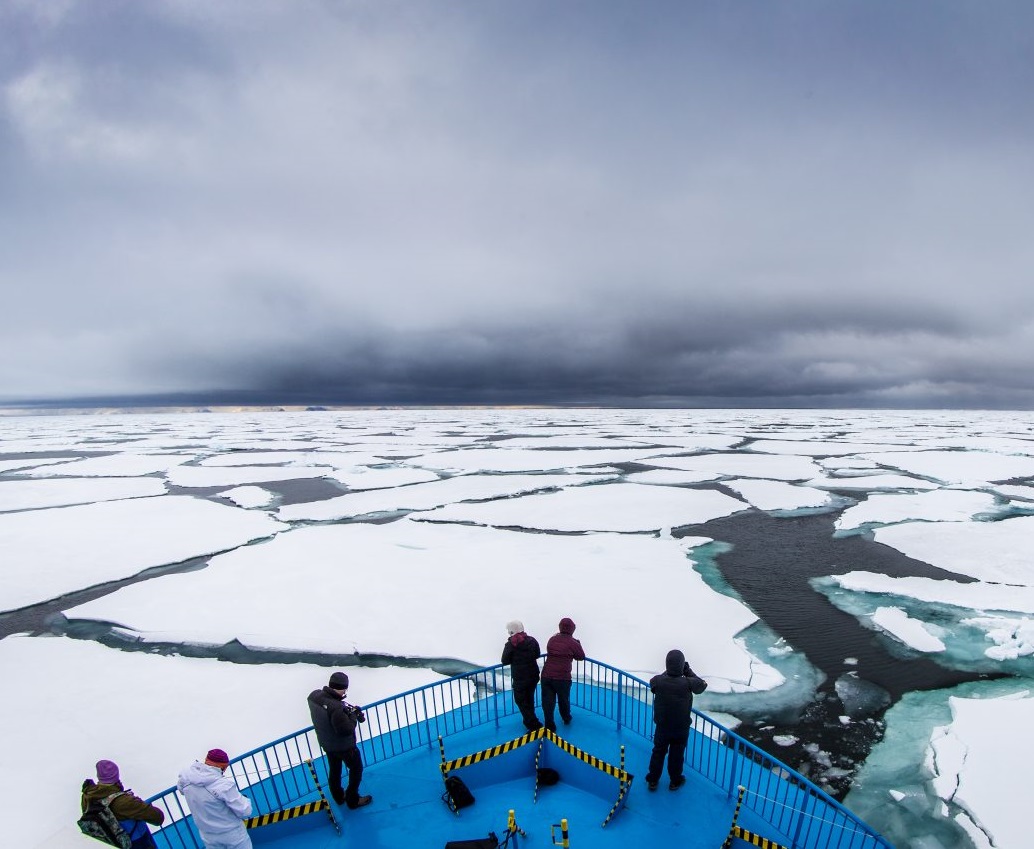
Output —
<point x="215" y="802"/>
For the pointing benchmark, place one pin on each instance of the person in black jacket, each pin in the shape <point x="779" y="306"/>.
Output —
<point x="335" y="722"/>
<point x="672" y="715"/>
<point x="522" y="652"/>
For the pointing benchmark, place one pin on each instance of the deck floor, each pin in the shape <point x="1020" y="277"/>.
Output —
<point x="408" y="811"/>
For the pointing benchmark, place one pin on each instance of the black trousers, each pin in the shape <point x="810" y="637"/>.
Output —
<point x="353" y="761"/>
<point x="555" y="691"/>
<point x="670" y="742"/>
<point x="524" y="698"/>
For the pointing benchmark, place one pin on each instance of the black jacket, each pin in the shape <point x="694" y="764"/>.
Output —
<point x="673" y="693"/>
<point x="522" y="653"/>
<point x="334" y="721"/>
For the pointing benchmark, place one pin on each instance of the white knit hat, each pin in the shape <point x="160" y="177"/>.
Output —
<point x="514" y="627"/>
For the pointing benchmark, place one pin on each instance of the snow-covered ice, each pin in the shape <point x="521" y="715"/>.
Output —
<point x="519" y="513"/>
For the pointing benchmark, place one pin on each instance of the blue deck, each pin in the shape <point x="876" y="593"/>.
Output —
<point x="472" y="713"/>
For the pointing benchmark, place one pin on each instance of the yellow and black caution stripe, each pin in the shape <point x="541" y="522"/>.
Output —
<point x="736" y="831"/>
<point x="286" y="814"/>
<point x="323" y="798"/>
<point x="585" y="757"/>
<point x="755" y="839"/>
<point x="485" y="754"/>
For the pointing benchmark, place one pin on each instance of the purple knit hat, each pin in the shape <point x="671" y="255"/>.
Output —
<point x="107" y="772"/>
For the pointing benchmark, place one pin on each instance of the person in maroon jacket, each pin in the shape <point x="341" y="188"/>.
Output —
<point x="561" y="651"/>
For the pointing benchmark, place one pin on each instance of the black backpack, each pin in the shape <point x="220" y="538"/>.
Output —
<point x="100" y="823"/>
<point x="457" y="794"/>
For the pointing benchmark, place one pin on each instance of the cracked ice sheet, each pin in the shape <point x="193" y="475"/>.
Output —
<point x="182" y="700"/>
<point x="48" y="553"/>
<point x="1001" y="552"/>
<point x="870" y="483"/>
<point x="973" y="767"/>
<point x="977" y="596"/>
<point x="971" y="468"/>
<point x="426" y="496"/>
<point x="205" y="476"/>
<point x="621" y="507"/>
<point x="126" y="464"/>
<point x="776" y="495"/>
<point x="248" y="496"/>
<point x="941" y="505"/>
<point x="770" y="466"/>
<point x="491" y="459"/>
<point x="406" y="578"/>
<point x="62" y="492"/>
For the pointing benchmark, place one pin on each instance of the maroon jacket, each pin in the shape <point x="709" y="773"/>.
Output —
<point x="561" y="650"/>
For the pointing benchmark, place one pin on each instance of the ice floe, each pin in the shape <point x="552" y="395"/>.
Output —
<point x="48" y="553"/>
<point x="941" y="505"/>
<point x="625" y="507"/>
<point x="62" y="492"/>
<point x="389" y="588"/>
<point x="913" y="632"/>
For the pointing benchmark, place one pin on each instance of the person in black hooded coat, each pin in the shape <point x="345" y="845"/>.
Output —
<point x="522" y="652"/>
<point x="672" y="715"/>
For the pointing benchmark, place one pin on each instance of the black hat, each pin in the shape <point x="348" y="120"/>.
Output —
<point x="339" y="681"/>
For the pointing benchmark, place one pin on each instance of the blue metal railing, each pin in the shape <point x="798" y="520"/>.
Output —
<point x="275" y="776"/>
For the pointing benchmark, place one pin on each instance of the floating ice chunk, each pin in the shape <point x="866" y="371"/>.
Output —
<point x="21" y="466"/>
<point x="62" y="492"/>
<point x="1019" y="493"/>
<point x="776" y="495"/>
<point x="248" y="496"/>
<point x="980" y="596"/>
<point x="970" y="762"/>
<point x="861" y="698"/>
<point x="1012" y="637"/>
<point x="822" y="448"/>
<point x="768" y="466"/>
<point x="972" y="468"/>
<point x="670" y="477"/>
<point x="625" y="507"/>
<point x="871" y="483"/>
<point x="490" y="459"/>
<point x="185" y="698"/>
<point x="940" y="505"/>
<point x="784" y="739"/>
<point x="48" y="553"/>
<point x="409" y="575"/>
<point x="989" y="551"/>
<point x="426" y="496"/>
<point x="912" y="632"/>
<point x="203" y="476"/>
<point x="114" y="466"/>
<point x="361" y="478"/>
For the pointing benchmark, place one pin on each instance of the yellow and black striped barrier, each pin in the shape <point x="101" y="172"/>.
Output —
<point x="737" y="832"/>
<point x="624" y="778"/>
<point x="323" y="798"/>
<point x="285" y="814"/>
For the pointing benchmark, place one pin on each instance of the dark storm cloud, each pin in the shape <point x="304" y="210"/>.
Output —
<point x="679" y="204"/>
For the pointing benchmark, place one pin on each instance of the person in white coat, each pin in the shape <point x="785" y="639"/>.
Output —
<point x="215" y="802"/>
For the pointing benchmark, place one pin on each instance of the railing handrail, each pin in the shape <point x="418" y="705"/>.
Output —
<point x="601" y="676"/>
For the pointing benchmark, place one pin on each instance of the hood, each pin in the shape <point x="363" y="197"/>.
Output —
<point x="675" y="663"/>
<point x="567" y="626"/>
<point x="200" y="773"/>
<point x="101" y="791"/>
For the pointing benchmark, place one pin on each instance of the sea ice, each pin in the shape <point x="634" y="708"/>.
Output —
<point x="749" y="465"/>
<point x="426" y="496"/>
<point x="625" y="507"/>
<point x="777" y="495"/>
<point x="370" y="588"/>
<point x="971" y="468"/>
<point x="48" y="553"/>
<point x="113" y="466"/>
<point x="912" y="632"/>
<point x="248" y="496"/>
<point x="63" y="492"/>
<point x="941" y="505"/>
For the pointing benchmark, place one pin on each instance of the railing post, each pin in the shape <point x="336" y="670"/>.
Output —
<point x="272" y="782"/>
<point x="620" y="700"/>
<point x="495" y="699"/>
<point x="427" y="719"/>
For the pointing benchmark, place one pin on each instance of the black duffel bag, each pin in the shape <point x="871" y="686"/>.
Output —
<point x="490" y="842"/>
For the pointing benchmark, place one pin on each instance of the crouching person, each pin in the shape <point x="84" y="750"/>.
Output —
<point x="215" y="802"/>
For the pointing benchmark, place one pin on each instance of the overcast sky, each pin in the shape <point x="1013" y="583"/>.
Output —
<point x="456" y="201"/>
